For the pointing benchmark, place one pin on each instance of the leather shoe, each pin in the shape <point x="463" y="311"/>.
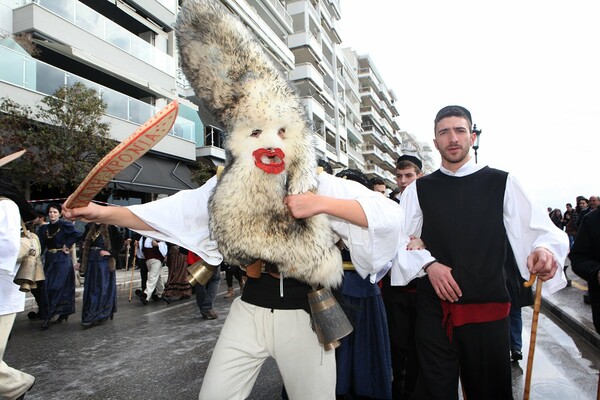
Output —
<point x="144" y="298"/>
<point x="32" y="315"/>
<point x="61" y="318"/>
<point x="516" y="355"/>
<point x="166" y="299"/>
<point x="209" y="314"/>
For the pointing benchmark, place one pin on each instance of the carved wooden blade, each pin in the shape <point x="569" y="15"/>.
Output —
<point x="123" y="155"/>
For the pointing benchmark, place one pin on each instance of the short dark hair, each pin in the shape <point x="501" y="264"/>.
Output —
<point x="53" y="205"/>
<point x="377" y="181"/>
<point x="326" y="166"/>
<point x="356" y="176"/>
<point x="454" y="111"/>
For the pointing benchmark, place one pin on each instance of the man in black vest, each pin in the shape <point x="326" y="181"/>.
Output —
<point x="463" y="303"/>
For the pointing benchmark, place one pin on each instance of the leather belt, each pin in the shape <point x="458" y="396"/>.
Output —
<point x="57" y="250"/>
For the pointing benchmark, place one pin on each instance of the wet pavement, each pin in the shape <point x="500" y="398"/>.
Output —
<point x="161" y="351"/>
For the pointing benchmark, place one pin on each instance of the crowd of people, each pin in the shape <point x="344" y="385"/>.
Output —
<point x="435" y="300"/>
<point x="415" y="318"/>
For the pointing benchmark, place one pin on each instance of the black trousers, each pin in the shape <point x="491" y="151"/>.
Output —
<point x="401" y="312"/>
<point x="479" y="352"/>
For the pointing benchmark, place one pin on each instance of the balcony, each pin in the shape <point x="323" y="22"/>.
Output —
<point x="23" y="71"/>
<point x="372" y="170"/>
<point x="42" y="16"/>
<point x="307" y="71"/>
<point x="372" y="153"/>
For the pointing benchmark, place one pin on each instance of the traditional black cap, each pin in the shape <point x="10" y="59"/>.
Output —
<point x="412" y="159"/>
<point x="454" y="111"/>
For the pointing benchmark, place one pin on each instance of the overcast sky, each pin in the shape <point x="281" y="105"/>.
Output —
<point x="527" y="70"/>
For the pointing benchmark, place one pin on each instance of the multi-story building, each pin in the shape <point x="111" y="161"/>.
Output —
<point x="126" y="50"/>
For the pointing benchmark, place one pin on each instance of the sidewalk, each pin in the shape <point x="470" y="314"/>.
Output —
<point x="567" y="305"/>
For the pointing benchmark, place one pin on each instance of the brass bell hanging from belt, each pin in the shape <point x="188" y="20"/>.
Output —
<point x="200" y="273"/>
<point x="329" y="320"/>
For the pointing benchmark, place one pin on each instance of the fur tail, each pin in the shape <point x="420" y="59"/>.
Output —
<point x="220" y="57"/>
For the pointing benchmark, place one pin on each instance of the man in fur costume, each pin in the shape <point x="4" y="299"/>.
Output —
<point x="268" y="205"/>
<point x="270" y="149"/>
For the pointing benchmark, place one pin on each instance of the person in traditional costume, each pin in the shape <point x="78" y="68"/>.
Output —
<point x="463" y="303"/>
<point x="100" y="250"/>
<point x="177" y="286"/>
<point x="57" y="237"/>
<point x="269" y="211"/>
<point x="14" y="210"/>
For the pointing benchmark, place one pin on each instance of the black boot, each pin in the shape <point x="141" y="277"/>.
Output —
<point x="61" y="318"/>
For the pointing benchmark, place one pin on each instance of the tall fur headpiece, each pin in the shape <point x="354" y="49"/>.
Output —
<point x="269" y="148"/>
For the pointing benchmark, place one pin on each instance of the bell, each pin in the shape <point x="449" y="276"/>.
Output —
<point x="200" y="273"/>
<point x="329" y="320"/>
<point x="25" y="276"/>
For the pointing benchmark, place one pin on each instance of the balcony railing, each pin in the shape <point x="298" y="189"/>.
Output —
<point x="89" y="20"/>
<point x="29" y="73"/>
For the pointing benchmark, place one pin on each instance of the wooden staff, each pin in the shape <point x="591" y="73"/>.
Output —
<point x="536" y="311"/>
<point x="132" y="268"/>
<point x="127" y="248"/>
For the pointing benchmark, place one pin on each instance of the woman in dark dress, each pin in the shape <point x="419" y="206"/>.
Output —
<point x="100" y="250"/>
<point x="56" y="239"/>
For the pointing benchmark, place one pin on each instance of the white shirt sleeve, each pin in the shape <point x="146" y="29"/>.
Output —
<point x="10" y="237"/>
<point x="162" y="247"/>
<point x="182" y="219"/>
<point x="528" y="227"/>
<point x="370" y="248"/>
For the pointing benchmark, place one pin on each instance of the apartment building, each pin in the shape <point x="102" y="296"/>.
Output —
<point x="126" y="50"/>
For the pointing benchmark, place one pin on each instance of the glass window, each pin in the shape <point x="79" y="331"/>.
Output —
<point x="64" y="8"/>
<point x="49" y="79"/>
<point x="116" y="103"/>
<point x="90" y="20"/>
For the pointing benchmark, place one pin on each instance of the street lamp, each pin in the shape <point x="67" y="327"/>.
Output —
<point x="477" y="133"/>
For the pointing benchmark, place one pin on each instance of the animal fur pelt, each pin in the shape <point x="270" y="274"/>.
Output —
<point x="269" y="149"/>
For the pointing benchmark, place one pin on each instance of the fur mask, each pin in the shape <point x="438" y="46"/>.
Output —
<point x="269" y="149"/>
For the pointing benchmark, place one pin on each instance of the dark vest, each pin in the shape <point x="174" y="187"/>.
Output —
<point x="152" y="252"/>
<point x="463" y="228"/>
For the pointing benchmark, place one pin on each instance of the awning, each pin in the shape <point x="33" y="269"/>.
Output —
<point x="151" y="174"/>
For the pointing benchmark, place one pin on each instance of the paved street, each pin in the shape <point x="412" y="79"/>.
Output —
<point x="161" y="351"/>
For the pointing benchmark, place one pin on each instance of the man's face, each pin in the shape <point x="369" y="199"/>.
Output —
<point x="379" y="188"/>
<point x="569" y="208"/>
<point x="594" y="202"/>
<point x="405" y="177"/>
<point x="582" y="204"/>
<point x="453" y="139"/>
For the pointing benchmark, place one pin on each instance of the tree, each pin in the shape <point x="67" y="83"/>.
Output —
<point x="202" y="172"/>
<point x="65" y="137"/>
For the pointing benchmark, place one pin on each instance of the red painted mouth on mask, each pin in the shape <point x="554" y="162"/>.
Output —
<point x="269" y="160"/>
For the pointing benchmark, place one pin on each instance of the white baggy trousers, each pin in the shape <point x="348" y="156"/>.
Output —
<point x="249" y="336"/>
<point x="13" y="382"/>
